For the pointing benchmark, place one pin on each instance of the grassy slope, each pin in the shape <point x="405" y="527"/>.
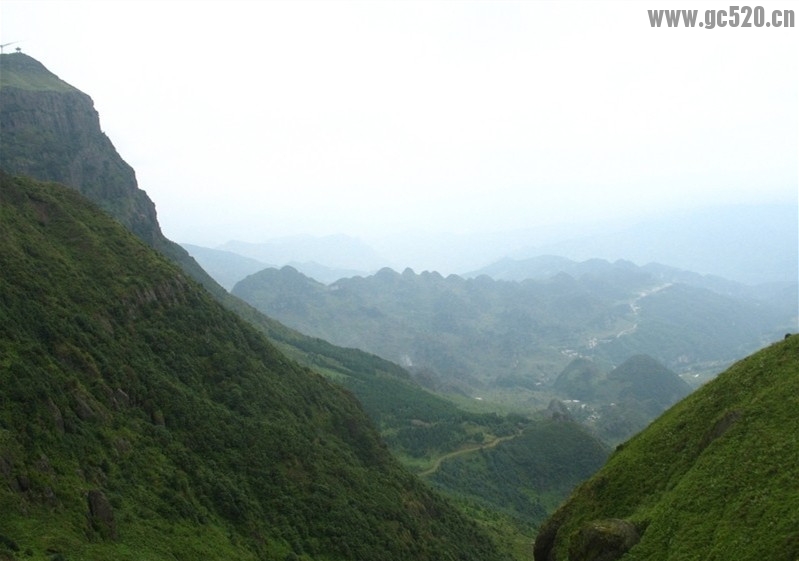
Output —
<point x="31" y="76"/>
<point x="120" y="375"/>
<point x="528" y="475"/>
<point x="714" y="478"/>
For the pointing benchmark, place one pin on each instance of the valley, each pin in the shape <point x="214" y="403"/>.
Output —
<point x="299" y="399"/>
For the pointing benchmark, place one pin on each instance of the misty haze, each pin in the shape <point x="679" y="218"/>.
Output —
<point x="434" y="280"/>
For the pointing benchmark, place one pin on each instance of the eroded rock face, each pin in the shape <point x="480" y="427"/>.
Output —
<point x="603" y="540"/>
<point x="101" y="515"/>
<point x="543" y="548"/>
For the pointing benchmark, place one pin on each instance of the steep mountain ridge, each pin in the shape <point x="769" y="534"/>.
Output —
<point x="141" y="419"/>
<point x="714" y="477"/>
<point x="51" y="131"/>
<point x="42" y="115"/>
<point x="58" y="130"/>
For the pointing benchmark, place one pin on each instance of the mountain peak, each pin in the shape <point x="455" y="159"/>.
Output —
<point x="18" y="70"/>
<point x="51" y="132"/>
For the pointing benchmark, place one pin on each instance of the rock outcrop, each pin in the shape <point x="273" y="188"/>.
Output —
<point x="101" y="514"/>
<point x="603" y="540"/>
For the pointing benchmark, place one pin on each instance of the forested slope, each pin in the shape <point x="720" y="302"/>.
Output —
<point x="141" y="420"/>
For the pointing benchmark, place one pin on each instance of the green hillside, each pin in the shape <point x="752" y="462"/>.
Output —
<point x="713" y="478"/>
<point x="639" y="379"/>
<point x="51" y="132"/>
<point x="141" y="420"/>
<point x="579" y="380"/>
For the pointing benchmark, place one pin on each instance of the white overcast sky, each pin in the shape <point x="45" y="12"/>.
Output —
<point x="252" y="120"/>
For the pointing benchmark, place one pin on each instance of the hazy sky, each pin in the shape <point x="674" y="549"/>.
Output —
<point x="251" y="120"/>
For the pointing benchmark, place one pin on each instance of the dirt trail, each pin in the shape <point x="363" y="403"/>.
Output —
<point x="475" y="448"/>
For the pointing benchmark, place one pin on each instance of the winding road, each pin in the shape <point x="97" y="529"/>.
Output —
<point x="437" y="463"/>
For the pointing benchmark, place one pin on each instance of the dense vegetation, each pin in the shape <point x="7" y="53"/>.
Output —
<point x="51" y="131"/>
<point x="527" y="476"/>
<point x="140" y="420"/>
<point x="712" y="478"/>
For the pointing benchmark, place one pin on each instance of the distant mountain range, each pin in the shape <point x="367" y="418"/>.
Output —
<point x="747" y="244"/>
<point x="750" y="244"/>
<point x="335" y="252"/>
<point x="476" y="334"/>
<point x="572" y="338"/>
<point x="229" y="267"/>
<point x="542" y="267"/>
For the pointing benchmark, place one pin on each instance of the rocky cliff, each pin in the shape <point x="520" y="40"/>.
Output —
<point x="51" y="131"/>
